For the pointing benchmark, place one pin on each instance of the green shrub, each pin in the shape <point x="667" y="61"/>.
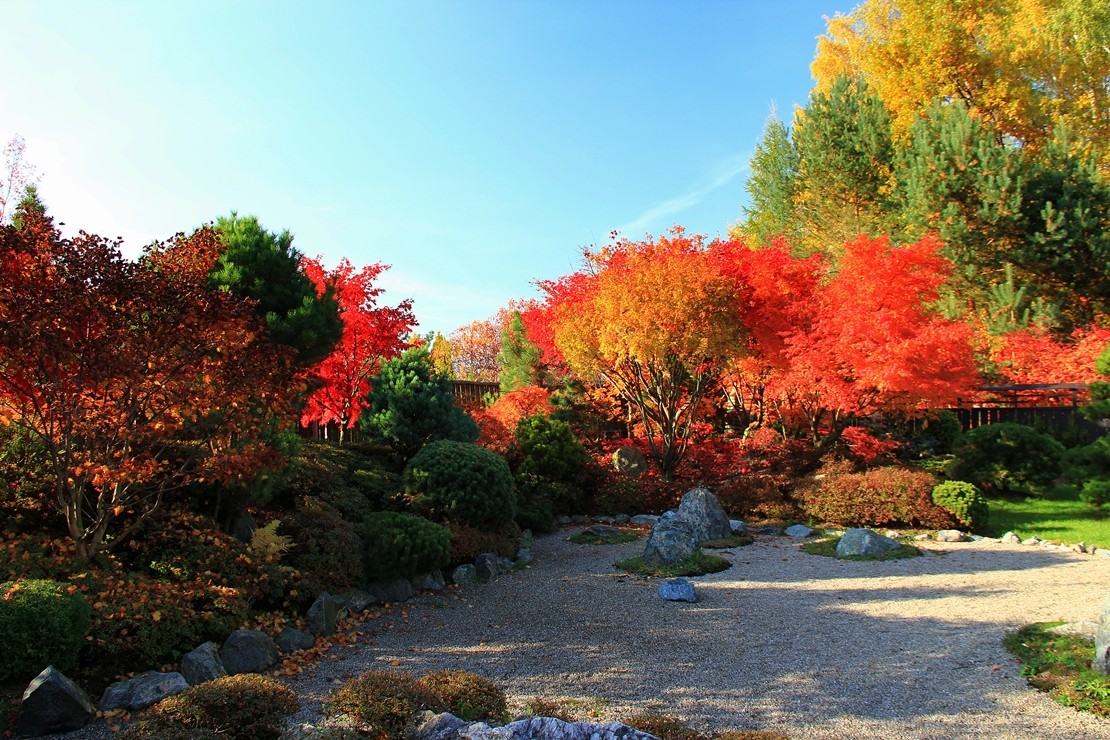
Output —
<point x="382" y="702"/>
<point x="1096" y="492"/>
<point x="378" y="486"/>
<point x="327" y="549"/>
<point x="403" y="545"/>
<point x="410" y="406"/>
<point x="467" y="542"/>
<point x="460" y="481"/>
<point x="550" y="449"/>
<point x="964" y="501"/>
<point x="881" y="496"/>
<point x="939" y="435"/>
<point x="43" y="623"/>
<point x="246" y="706"/>
<point x="1008" y="459"/>
<point x="466" y="695"/>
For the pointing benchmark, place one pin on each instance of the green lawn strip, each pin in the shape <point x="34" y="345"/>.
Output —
<point x="1059" y="516"/>
<point x="827" y="548"/>
<point x="736" y="540"/>
<point x="1061" y="666"/>
<point x="695" y="565"/>
<point x="586" y="537"/>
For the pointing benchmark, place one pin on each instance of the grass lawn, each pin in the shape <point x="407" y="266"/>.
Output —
<point x="1058" y="516"/>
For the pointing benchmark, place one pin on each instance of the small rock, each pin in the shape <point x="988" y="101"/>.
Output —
<point x="738" y="527"/>
<point x="1079" y="548"/>
<point x="1034" y="540"/>
<point x="433" y="581"/>
<point x="1087" y="630"/>
<point x="248" y="651"/>
<point x="562" y="520"/>
<point x="951" y="535"/>
<point x="322" y="615"/>
<point x="799" y="531"/>
<point x="769" y="531"/>
<point x="892" y="534"/>
<point x="52" y="703"/>
<point x="487" y="566"/>
<point x="427" y="725"/>
<point x="290" y="640"/>
<point x="621" y="519"/>
<point x="644" y="520"/>
<point x="464" y="575"/>
<point x="1011" y="539"/>
<point x="604" y="519"/>
<point x="579" y="519"/>
<point x="861" y="542"/>
<point x="678" y="589"/>
<point x="202" y="664"/>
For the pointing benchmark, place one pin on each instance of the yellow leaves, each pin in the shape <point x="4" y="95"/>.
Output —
<point x="156" y="616"/>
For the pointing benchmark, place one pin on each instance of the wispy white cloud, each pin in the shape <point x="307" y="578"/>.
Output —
<point x="658" y="216"/>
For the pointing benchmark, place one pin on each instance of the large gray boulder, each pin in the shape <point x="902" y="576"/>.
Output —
<point x="672" y="539"/>
<point x="52" y="704"/>
<point x="397" y="590"/>
<point x="487" y="565"/>
<point x="1101" y="662"/>
<point x="323" y="614"/>
<point x="703" y="511"/>
<point x="248" y="651"/>
<point x="861" y="542"/>
<point x="630" y="460"/>
<point x="550" y="728"/>
<point x="202" y="664"/>
<point x="357" y="601"/>
<point x="142" y="691"/>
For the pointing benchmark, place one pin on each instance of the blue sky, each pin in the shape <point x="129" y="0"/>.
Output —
<point x="473" y="146"/>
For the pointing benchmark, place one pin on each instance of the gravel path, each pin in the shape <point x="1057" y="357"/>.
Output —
<point x="808" y="646"/>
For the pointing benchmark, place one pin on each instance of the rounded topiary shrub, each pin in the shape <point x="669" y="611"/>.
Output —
<point x="1096" y="492"/>
<point x="550" y="449"/>
<point x="43" y="623"/>
<point x="403" y="545"/>
<point x="964" y="501"/>
<point x="326" y="551"/>
<point x="466" y="695"/>
<point x="1008" y="459"/>
<point x="881" y="496"/>
<point x="382" y="702"/>
<point x="462" y="482"/>
<point x="246" y="706"/>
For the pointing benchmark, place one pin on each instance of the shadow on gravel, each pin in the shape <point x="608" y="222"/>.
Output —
<point x="769" y="640"/>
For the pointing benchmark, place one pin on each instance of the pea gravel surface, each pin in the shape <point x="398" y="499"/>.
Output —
<point x="804" y="645"/>
<point x="799" y="644"/>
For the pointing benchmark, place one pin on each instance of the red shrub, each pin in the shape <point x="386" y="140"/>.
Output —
<point x="882" y="496"/>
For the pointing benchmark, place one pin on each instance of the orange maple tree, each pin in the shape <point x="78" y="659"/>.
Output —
<point x="131" y="377"/>
<point x="371" y="334"/>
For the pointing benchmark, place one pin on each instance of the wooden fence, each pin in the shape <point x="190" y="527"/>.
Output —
<point x="475" y="391"/>
<point x="1052" y="407"/>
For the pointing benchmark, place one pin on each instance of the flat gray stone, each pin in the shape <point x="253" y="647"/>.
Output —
<point x="678" y="589"/>
<point x="433" y="581"/>
<point x="738" y="527"/>
<point x="394" y="591"/>
<point x="951" y="535"/>
<point x="52" y="703"/>
<point x="799" y="531"/>
<point x="142" y="691"/>
<point x="358" y="601"/>
<point x="644" y="520"/>
<point x="551" y="728"/>
<point x="860" y="542"/>
<point x="621" y="519"/>
<point x="202" y="664"/>
<point x="1029" y="541"/>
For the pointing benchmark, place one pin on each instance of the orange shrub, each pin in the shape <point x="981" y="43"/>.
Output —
<point x="878" y="497"/>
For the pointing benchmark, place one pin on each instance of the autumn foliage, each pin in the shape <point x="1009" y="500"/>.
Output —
<point x="371" y="335"/>
<point x="131" y="378"/>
